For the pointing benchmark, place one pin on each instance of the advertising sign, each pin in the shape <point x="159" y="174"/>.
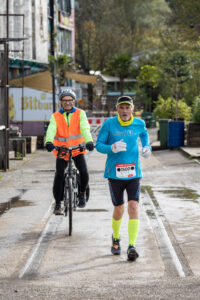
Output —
<point x="37" y="105"/>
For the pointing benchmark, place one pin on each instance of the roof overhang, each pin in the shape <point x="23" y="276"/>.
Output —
<point x="108" y="78"/>
<point x="43" y="80"/>
<point x="91" y="79"/>
<point x="39" y="81"/>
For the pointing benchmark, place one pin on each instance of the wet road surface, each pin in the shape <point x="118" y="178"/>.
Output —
<point x="39" y="260"/>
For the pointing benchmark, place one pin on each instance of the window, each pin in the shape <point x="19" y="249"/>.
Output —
<point x="65" y="5"/>
<point x="65" y="41"/>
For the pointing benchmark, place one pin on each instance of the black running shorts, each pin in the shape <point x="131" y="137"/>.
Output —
<point x="117" y="187"/>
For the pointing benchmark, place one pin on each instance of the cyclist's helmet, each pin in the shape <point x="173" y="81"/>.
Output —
<point x="67" y="92"/>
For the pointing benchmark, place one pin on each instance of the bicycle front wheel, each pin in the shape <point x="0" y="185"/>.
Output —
<point x="70" y="193"/>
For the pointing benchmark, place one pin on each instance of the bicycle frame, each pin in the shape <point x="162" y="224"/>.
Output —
<point x="70" y="185"/>
<point x="71" y="180"/>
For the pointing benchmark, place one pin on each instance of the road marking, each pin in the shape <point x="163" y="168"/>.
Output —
<point x="166" y="238"/>
<point x="36" y="248"/>
<point x="197" y="161"/>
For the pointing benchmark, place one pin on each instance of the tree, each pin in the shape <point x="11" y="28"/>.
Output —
<point x="62" y="63"/>
<point x="120" y="65"/>
<point x="97" y="37"/>
<point x="139" y="22"/>
<point x="186" y="15"/>
<point x="149" y="76"/>
<point x="178" y="70"/>
<point x="108" y="28"/>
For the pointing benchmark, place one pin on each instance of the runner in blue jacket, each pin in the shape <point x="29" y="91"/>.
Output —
<point x="119" y="139"/>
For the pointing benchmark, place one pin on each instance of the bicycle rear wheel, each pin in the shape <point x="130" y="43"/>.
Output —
<point x="75" y="190"/>
<point x="70" y="193"/>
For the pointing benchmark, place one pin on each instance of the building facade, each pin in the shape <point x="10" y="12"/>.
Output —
<point x="65" y="29"/>
<point x="30" y="19"/>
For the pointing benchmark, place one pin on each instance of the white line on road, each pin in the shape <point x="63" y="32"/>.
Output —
<point x="173" y="254"/>
<point x="197" y="161"/>
<point x="35" y="249"/>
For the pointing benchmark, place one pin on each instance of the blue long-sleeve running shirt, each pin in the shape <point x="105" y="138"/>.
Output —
<point x="125" y="164"/>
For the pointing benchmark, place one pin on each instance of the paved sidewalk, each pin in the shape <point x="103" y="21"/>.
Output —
<point x="193" y="152"/>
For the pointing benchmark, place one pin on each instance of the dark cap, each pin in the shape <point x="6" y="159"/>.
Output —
<point x="124" y="99"/>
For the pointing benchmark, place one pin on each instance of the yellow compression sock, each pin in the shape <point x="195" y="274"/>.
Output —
<point x="116" y="227"/>
<point x="133" y="226"/>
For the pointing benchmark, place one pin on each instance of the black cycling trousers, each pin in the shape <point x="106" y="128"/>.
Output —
<point x="61" y="164"/>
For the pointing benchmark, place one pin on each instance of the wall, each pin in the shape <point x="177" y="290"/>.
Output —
<point x="41" y="30"/>
<point x="35" y="28"/>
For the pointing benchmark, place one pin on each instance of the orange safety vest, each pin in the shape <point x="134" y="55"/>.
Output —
<point x="68" y="135"/>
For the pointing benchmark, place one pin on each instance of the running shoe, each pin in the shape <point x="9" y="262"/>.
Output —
<point x="115" y="249"/>
<point x="132" y="254"/>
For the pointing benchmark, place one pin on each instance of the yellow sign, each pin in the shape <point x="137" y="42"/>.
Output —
<point x="81" y="101"/>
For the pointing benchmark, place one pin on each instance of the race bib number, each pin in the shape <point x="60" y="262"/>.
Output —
<point x="125" y="170"/>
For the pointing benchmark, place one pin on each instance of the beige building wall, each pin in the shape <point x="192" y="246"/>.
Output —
<point x="40" y="31"/>
<point x="35" y="28"/>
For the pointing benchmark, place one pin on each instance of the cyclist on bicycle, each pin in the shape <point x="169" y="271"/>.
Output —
<point x="69" y="126"/>
<point x="118" y="138"/>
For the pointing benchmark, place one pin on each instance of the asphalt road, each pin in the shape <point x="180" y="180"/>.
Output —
<point x="38" y="260"/>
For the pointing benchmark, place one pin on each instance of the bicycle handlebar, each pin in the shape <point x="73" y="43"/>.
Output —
<point x="63" y="150"/>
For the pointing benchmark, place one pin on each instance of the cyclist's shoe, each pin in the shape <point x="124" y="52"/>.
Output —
<point x="87" y="193"/>
<point x="57" y="210"/>
<point x="81" y="202"/>
<point x="115" y="249"/>
<point x="132" y="254"/>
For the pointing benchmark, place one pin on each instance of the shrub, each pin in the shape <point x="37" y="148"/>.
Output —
<point x="166" y="109"/>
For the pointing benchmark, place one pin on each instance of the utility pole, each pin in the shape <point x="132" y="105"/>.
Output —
<point x="4" y="105"/>
<point x="4" y="136"/>
<point x="4" y="90"/>
<point x="52" y="52"/>
<point x="7" y="88"/>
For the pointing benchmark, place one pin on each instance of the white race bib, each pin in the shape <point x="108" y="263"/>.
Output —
<point x="125" y="170"/>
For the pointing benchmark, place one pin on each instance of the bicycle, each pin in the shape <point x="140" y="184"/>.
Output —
<point x="70" y="196"/>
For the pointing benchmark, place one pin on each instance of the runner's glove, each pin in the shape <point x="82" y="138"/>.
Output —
<point x="90" y="146"/>
<point x="49" y="146"/>
<point x="146" y="152"/>
<point x="118" y="147"/>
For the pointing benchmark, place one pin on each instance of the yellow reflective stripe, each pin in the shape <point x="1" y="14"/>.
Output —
<point x="61" y="139"/>
<point x="71" y="137"/>
<point x="75" y="146"/>
<point x="75" y="136"/>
